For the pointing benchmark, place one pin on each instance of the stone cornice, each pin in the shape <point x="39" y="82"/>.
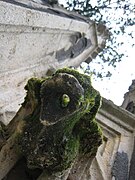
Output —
<point x="114" y="156"/>
<point x="117" y="114"/>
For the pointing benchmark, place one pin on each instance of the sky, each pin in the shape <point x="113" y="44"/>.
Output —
<point x="115" y="87"/>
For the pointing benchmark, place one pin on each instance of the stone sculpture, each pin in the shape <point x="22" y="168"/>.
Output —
<point x="56" y="124"/>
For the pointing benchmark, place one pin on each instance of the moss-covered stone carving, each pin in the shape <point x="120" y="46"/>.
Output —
<point x="61" y="124"/>
<point x="55" y="125"/>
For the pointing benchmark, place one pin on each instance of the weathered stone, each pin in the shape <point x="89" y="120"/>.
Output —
<point x="120" y="167"/>
<point x="56" y="123"/>
<point x="132" y="165"/>
<point x="21" y="171"/>
<point x="35" y="36"/>
<point x="50" y="139"/>
<point x="129" y="98"/>
<point x="79" y="44"/>
<point x="88" y="60"/>
<point x="118" y="129"/>
<point x="129" y="105"/>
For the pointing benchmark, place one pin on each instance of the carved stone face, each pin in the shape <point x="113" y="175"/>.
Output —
<point x="61" y="125"/>
<point x="60" y="96"/>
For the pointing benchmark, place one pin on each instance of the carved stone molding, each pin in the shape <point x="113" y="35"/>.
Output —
<point x="35" y="37"/>
<point x="114" y="155"/>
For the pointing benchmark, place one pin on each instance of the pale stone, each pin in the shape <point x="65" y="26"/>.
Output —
<point x="31" y="35"/>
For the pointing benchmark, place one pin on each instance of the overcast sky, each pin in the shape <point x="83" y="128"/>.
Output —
<point x="115" y="88"/>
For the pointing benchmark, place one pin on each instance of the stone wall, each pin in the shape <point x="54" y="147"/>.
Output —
<point x="36" y="37"/>
<point x="129" y="105"/>
<point x="114" y="156"/>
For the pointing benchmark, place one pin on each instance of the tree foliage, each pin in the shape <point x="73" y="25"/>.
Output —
<point x="118" y="16"/>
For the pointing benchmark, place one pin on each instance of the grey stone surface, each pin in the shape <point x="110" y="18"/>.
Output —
<point x="131" y="107"/>
<point x="35" y="37"/>
<point x="120" y="166"/>
<point x="132" y="87"/>
<point x="129" y="98"/>
<point x="77" y="47"/>
<point x="132" y="165"/>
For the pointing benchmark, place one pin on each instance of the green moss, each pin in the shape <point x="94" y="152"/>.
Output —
<point x="90" y="93"/>
<point x="71" y="151"/>
<point x="33" y="90"/>
<point x="62" y="121"/>
<point x="65" y="100"/>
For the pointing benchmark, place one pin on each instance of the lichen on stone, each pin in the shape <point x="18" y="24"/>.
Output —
<point x="2" y="134"/>
<point x="62" y="121"/>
